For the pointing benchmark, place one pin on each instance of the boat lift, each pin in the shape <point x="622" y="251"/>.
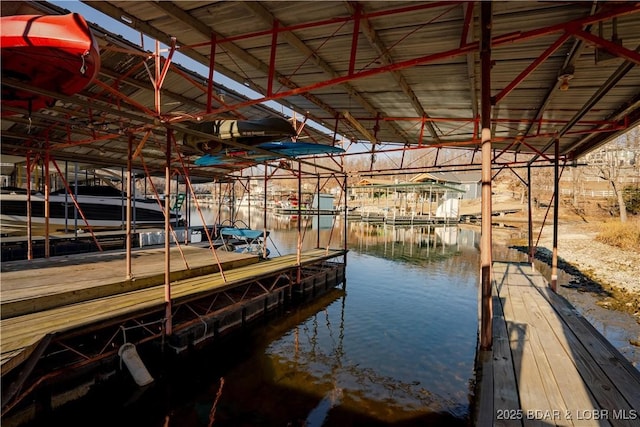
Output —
<point x="238" y="237"/>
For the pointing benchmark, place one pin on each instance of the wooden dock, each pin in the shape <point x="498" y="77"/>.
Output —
<point x="548" y="365"/>
<point x="44" y="283"/>
<point x="83" y="306"/>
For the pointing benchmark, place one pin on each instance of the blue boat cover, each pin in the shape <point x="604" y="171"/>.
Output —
<point x="242" y="233"/>
<point x="283" y="148"/>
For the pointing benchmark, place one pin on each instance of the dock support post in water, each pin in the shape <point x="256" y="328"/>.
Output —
<point x="167" y="240"/>
<point x="530" y="213"/>
<point x="129" y="274"/>
<point x="556" y="199"/>
<point x="299" y="245"/>
<point x="47" y="207"/>
<point x="486" y="327"/>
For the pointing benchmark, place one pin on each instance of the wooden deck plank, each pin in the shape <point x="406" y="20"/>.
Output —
<point x="484" y="392"/>
<point x="562" y="364"/>
<point x="505" y="393"/>
<point x="97" y="275"/>
<point x="575" y="392"/>
<point x="622" y="373"/>
<point x="24" y="279"/>
<point x="26" y="330"/>
<point x="530" y="387"/>
<point x="557" y="373"/>
<point x="606" y="394"/>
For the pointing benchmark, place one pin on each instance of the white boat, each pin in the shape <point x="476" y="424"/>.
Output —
<point x="102" y="206"/>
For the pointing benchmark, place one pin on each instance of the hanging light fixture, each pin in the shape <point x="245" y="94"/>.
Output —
<point x="564" y="78"/>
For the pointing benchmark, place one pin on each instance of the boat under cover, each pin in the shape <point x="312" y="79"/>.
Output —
<point x="54" y="53"/>
<point x="102" y="206"/>
<point x="280" y="149"/>
<point x="248" y="132"/>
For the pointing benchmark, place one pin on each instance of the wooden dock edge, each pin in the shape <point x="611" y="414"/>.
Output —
<point x="495" y="386"/>
<point x="496" y="389"/>
<point x="15" y="308"/>
<point x="318" y="286"/>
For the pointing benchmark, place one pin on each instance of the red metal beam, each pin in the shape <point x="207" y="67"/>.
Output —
<point x="343" y="79"/>
<point x="570" y="26"/>
<point x="212" y="64"/>
<point x="331" y="21"/>
<point x="354" y="38"/>
<point x="463" y="50"/>
<point x="524" y="74"/>
<point x="612" y="47"/>
<point x="272" y="58"/>
<point x="167" y="63"/>
<point x="130" y="101"/>
<point x="468" y="21"/>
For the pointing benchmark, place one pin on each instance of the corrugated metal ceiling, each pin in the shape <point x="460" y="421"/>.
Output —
<point x="411" y="76"/>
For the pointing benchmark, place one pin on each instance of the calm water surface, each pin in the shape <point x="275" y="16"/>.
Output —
<point x="396" y="348"/>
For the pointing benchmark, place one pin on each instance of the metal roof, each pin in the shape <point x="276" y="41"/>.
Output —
<point x="408" y="187"/>
<point x="393" y="74"/>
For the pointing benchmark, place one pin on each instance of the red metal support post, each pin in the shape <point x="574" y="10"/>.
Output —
<point x="556" y="200"/>
<point x="345" y="229"/>
<point x="299" y="245"/>
<point x="530" y="212"/>
<point x="264" y="213"/>
<point x="272" y="58"/>
<point x="47" y="208"/>
<point x="29" y="237"/>
<point x="318" y="213"/>
<point x="156" y="77"/>
<point x="212" y="63"/>
<point x="354" y="40"/>
<point x="128" y="208"/>
<point x="486" y="328"/>
<point x="167" y="239"/>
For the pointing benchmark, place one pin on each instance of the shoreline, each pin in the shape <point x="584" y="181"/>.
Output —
<point x="610" y="273"/>
<point x="601" y="281"/>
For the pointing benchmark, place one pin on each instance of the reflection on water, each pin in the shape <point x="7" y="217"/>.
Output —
<point x="401" y="346"/>
<point x="396" y="348"/>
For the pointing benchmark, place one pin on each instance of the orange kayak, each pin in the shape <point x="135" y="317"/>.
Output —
<point x="55" y="53"/>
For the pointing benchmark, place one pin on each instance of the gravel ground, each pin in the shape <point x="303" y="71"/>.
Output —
<point x="615" y="271"/>
<point x="601" y="281"/>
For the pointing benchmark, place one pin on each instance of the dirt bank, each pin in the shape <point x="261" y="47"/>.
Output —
<point x="601" y="281"/>
<point x="609" y="273"/>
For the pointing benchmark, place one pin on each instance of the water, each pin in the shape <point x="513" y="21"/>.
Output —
<point x="397" y="348"/>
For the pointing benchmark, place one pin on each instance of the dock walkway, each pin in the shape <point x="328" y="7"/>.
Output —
<point x="548" y="365"/>
<point x="34" y="317"/>
<point x="86" y="273"/>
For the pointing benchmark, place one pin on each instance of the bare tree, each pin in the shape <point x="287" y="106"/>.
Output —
<point x="616" y="161"/>
<point x="610" y="171"/>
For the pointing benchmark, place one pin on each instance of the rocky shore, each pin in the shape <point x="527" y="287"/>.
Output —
<point x="610" y="273"/>
<point x="601" y="281"/>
